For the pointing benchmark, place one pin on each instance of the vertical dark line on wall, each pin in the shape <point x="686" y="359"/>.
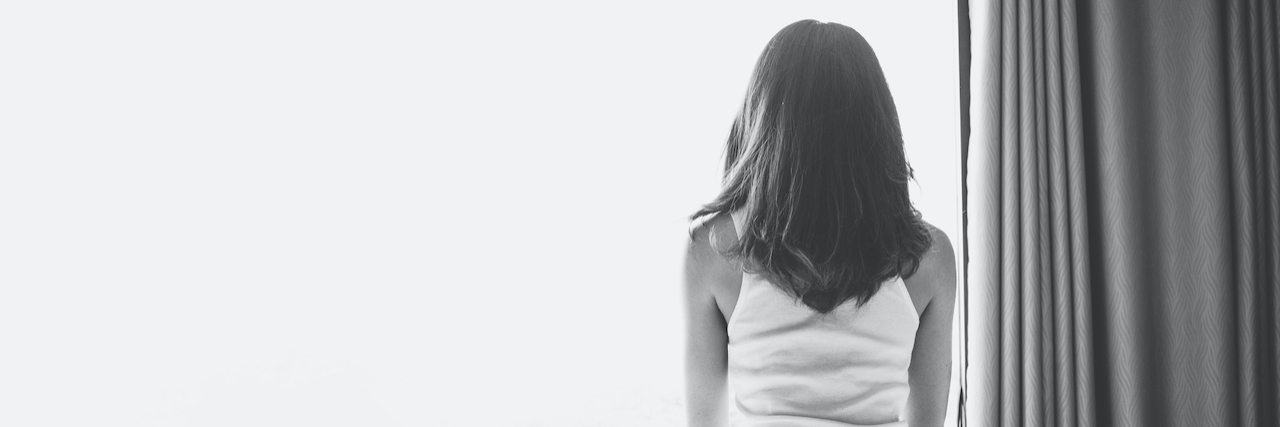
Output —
<point x="964" y="60"/>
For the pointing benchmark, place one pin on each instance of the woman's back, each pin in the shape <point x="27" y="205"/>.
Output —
<point x="789" y="362"/>
<point x="825" y="328"/>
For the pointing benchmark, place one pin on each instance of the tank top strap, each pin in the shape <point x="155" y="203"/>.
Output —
<point x="737" y="218"/>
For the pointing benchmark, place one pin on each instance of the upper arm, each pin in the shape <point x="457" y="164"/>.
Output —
<point x="706" y="339"/>
<point x="930" y="371"/>
<point x="937" y="272"/>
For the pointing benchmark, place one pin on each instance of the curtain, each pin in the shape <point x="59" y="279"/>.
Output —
<point x="1123" y="209"/>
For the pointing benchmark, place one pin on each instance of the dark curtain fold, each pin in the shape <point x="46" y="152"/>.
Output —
<point x="965" y="56"/>
<point x="1123" y="205"/>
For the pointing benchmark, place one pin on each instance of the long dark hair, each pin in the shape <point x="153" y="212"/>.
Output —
<point x="815" y="155"/>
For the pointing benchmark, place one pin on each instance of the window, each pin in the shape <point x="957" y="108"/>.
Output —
<point x="287" y="212"/>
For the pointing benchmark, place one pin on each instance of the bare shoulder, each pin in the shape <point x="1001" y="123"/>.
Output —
<point x="941" y="254"/>
<point x="707" y="244"/>
<point x="706" y="270"/>
<point x="936" y="275"/>
<point x="713" y="234"/>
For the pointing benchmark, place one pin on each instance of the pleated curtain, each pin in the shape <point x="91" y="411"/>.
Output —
<point x="1122" y="205"/>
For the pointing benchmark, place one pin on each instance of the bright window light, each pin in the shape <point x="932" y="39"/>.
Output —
<point x="381" y="212"/>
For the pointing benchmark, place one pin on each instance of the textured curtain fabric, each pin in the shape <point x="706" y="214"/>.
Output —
<point x="1123" y="202"/>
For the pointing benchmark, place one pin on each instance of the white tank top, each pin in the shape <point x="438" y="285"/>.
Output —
<point x="792" y="366"/>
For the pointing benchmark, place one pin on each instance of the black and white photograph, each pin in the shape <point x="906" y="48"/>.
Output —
<point x="811" y="213"/>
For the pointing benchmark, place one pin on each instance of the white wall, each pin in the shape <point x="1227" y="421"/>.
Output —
<point x="382" y="213"/>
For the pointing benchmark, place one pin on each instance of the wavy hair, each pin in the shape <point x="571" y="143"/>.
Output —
<point x="815" y="155"/>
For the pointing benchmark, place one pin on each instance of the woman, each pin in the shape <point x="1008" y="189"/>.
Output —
<point x="813" y="289"/>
